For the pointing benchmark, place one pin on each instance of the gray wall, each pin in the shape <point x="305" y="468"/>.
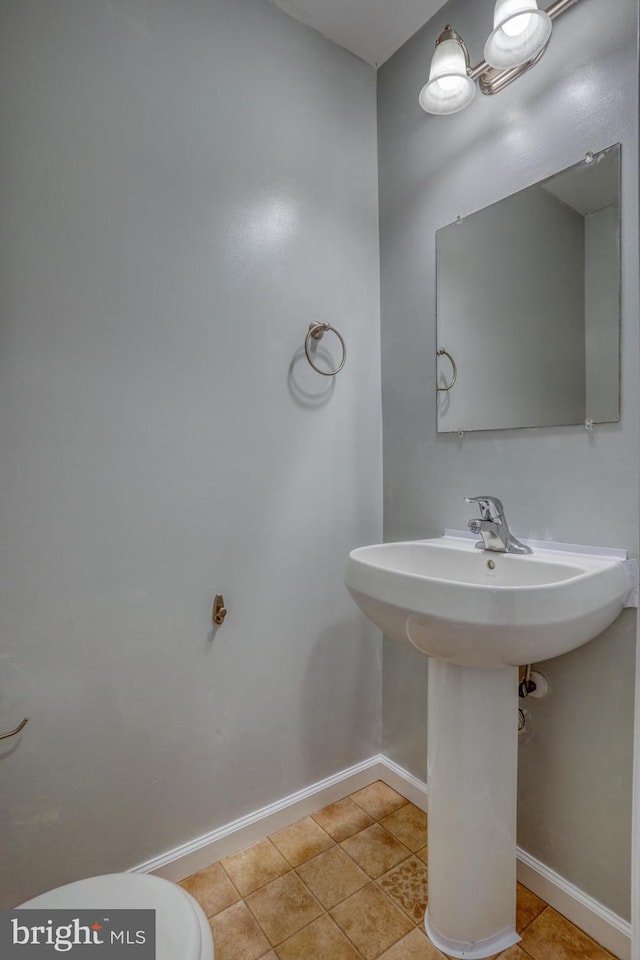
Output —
<point x="185" y="186"/>
<point x="564" y="483"/>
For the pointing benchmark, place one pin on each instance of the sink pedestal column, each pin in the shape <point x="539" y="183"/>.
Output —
<point x="472" y="778"/>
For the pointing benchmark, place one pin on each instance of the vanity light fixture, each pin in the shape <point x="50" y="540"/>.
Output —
<point x="521" y="33"/>
<point x="450" y="88"/>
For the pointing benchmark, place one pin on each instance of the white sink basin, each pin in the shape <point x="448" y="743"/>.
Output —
<point x="477" y="608"/>
<point x="469" y="608"/>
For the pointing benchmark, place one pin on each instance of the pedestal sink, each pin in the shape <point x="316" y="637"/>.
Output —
<point x="479" y="615"/>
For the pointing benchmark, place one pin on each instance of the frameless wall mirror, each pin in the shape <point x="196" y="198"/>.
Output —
<point x="528" y="305"/>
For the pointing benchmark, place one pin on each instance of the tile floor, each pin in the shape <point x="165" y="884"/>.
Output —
<point x="350" y="883"/>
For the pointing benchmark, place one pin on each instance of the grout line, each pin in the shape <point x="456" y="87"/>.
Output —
<point x="324" y="910"/>
<point x="344" y="932"/>
<point x="352" y="796"/>
<point x="371" y="882"/>
<point x="526" y="927"/>
<point x="526" y="952"/>
<point x="232" y="884"/>
<point x="326" y="913"/>
<point x="283" y="855"/>
<point x="262" y="885"/>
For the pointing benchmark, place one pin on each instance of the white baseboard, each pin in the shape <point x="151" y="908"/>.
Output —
<point x="598" y="921"/>
<point x="191" y="857"/>
<point x="606" y="927"/>
<point x="404" y="782"/>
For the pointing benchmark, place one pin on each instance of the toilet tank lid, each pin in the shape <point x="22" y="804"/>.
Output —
<point x="181" y="927"/>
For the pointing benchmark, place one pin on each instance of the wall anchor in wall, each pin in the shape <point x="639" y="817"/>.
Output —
<point x="12" y="733"/>
<point x="454" y="370"/>
<point x="317" y="331"/>
<point x="219" y="611"/>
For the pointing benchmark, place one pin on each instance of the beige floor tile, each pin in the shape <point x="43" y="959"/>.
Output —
<point x="332" y="877"/>
<point x="409" y="825"/>
<point x="415" y="946"/>
<point x="375" y="850"/>
<point x="552" y="937"/>
<point x="528" y="907"/>
<point x="321" y="940"/>
<point x="212" y="889"/>
<point x="378" y="800"/>
<point x="342" y="819"/>
<point x="252" y="868"/>
<point x="370" y="921"/>
<point x="283" y="907"/>
<point x="328" y="861"/>
<point x="406" y="885"/>
<point x="237" y="936"/>
<point x="301" y="841"/>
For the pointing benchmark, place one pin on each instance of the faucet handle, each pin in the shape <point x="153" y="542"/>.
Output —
<point x="490" y="507"/>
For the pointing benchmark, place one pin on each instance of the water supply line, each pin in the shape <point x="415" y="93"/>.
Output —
<point x="527" y="685"/>
<point x="533" y="684"/>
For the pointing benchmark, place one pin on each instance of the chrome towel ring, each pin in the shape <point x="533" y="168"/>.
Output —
<point x="317" y="331"/>
<point x="12" y="733"/>
<point x="454" y="370"/>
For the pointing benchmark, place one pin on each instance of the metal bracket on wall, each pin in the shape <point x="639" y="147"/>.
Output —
<point x="12" y="733"/>
<point x="219" y="611"/>
<point x="316" y="332"/>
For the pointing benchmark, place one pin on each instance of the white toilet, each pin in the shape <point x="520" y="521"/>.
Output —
<point x="182" y="929"/>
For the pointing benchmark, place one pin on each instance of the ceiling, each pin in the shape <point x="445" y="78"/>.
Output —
<point x="372" y="29"/>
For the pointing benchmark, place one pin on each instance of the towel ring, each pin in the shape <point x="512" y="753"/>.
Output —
<point x="317" y="331"/>
<point x="12" y="733"/>
<point x="454" y="370"/>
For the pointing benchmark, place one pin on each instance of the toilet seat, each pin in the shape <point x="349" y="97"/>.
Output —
<point x="182" y="930"/>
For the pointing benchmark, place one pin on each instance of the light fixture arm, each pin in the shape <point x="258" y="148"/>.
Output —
<point x="493" y="81"/>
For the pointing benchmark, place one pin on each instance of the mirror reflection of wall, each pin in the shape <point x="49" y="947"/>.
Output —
<point x="528" y="305"/>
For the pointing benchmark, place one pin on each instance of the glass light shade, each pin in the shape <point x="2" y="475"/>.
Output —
<point x="520" y="31"/>
<point x="448" y="89"/>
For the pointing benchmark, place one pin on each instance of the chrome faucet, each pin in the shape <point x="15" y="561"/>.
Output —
<point x="493" y="527"/>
